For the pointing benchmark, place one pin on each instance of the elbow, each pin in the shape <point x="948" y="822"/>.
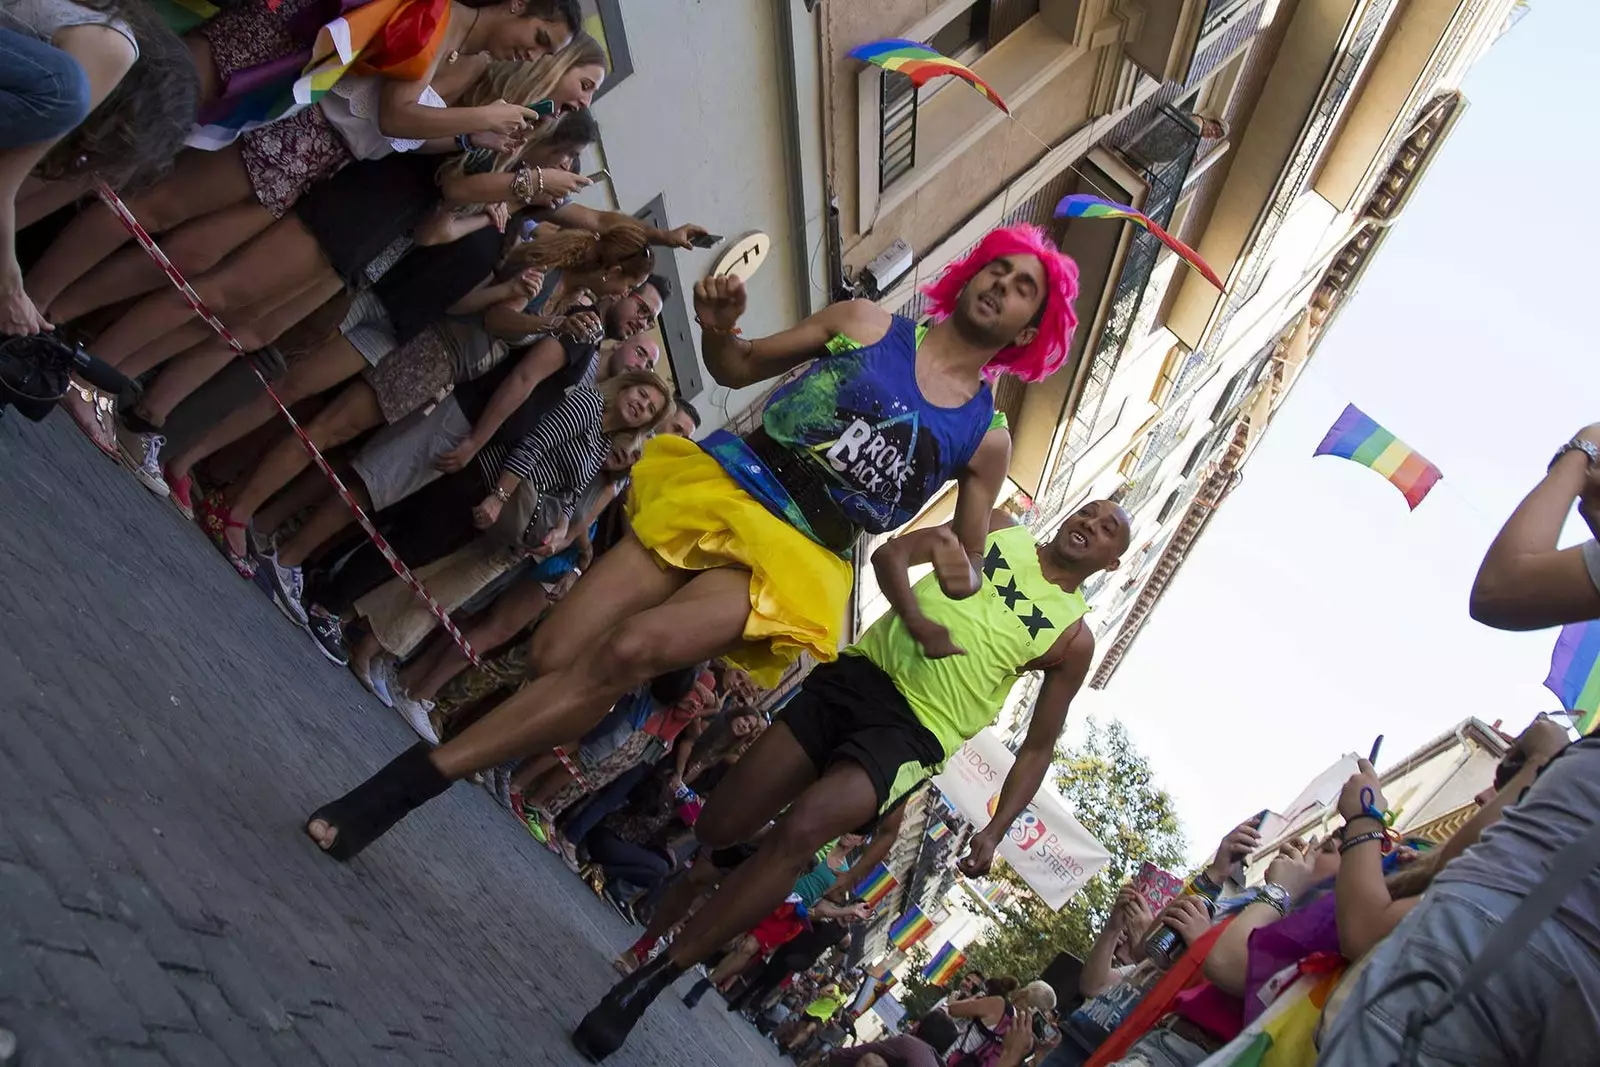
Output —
<point x="1495" y="606"/>
<point x="1225" y="970"/>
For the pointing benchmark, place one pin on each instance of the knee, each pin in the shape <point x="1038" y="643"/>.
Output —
<point x="631" y="653"/>
<point x="61" y="99"/>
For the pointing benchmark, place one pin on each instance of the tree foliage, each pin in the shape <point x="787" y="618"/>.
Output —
<point x="1111" y="790"/>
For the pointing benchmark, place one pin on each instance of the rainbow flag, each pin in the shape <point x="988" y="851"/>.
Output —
<point x="392" y="38"/>
<point x="996" y="894"/>
<point x="1084" y="206"/>
<point x="944" y="965"/>
<point x="877" y="885"/>
<point x="938" y="831"/>
<point x="1575" y="672"/>
<point x="1357" y="438"/>
<point x="922" y="64"/>
<point x="910" y="928"/>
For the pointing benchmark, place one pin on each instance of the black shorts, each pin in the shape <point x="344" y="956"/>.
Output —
<point x="851" y="710"/>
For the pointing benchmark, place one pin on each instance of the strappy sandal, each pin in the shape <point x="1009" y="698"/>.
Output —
<point x="97" y="421"/>
<point x="372" y="808"/>
<point x="216" y="520"/>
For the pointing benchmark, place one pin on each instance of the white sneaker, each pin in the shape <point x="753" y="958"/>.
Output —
<point x="288" y="588"/>
<point x="415" y="713"/>
<point x="142" y="451"/>
<point x="381" y="674"/>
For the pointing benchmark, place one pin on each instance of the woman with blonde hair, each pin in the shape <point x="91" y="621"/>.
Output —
<point x="536" y="482"/>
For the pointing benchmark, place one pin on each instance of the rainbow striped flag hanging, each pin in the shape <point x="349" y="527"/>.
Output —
<point x="1357" y="438"/>
<point x="922" y="64"/>
<point x="939" y="831"/>
<point x="877" y="885"/>
<point x="910" y="928"/>
<point x="1575" y="672"/>
<point x="944" y="966"/>
<point x="1084" y="206"/>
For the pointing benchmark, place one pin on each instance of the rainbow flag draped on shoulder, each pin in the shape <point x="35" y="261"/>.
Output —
<point x="392" y="38"/>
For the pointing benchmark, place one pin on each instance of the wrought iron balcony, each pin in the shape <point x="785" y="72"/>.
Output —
<point x="1165" y="151"/>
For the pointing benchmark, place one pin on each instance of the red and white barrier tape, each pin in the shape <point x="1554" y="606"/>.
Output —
<point x="114" y="202"/>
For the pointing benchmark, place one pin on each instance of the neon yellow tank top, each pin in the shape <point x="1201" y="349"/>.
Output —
<point x="1012" y="620"/>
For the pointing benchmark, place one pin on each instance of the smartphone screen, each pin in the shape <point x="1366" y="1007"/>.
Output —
<point x="706" y="240"/>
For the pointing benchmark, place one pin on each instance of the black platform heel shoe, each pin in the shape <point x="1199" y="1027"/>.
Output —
<point x="369" y="810"/>
<point x="606" y="1028"/>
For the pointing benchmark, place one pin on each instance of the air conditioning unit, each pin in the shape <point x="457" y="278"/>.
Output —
<point x="890" y="265"/>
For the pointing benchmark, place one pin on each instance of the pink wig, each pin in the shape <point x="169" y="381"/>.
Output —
<point x="1043" y="357"/>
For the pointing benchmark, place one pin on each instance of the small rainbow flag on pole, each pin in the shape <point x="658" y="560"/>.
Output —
<point x="1575" y="672"/>
<point x="877" y="885"/>
<point x="910" y="928"/>
<point x="1084" y="206"/>
<point x="939" y="831"/>
<point x="922" y="64"/>
<point x="1357" y="438"/>
<point x="944" y="965"/>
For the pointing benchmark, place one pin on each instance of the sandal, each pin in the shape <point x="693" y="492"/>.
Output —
<point x="94" y="412"/>
<point x="216" y="521"/>
<point x="372" y="808"/>
<point x="178" y="491"/>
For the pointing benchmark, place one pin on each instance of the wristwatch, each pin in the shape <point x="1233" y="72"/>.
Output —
<point x="1275" y="895"/>
<point x="1578" y="444"/>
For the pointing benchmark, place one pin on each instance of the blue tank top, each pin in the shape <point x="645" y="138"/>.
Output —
<point x="859" y="420"/>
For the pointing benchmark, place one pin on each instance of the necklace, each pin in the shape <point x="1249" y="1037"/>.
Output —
<point x="455" y="53"/>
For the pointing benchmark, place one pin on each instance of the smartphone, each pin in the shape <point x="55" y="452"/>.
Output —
<point x="706" y="240"/>
<point x="1236" y="872"/>
<point x="543" y="108"/>
<point x="600" y="175"/>
<point x="1372" y="757"/>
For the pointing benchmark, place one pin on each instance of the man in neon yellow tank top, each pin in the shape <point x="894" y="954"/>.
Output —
<point x="868" y="728"/>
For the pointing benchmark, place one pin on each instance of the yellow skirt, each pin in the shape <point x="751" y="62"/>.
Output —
<point x="687" y="511"/>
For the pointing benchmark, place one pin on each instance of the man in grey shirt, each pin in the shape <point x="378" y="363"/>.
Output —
<point x="1542" y="1005"/>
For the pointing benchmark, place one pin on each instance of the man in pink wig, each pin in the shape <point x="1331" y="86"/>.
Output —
<point x="887" y="415"/>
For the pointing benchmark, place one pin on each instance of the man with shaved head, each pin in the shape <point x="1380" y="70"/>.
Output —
<point x="877" y="722"/>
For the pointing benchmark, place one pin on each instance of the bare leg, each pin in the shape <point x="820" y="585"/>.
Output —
<point x="336" y="361"/>
<point x="352" y="411"/>
<point x="702" y="620"/>
<point x="186" y="338"/>
<point x="201" y="183"/>
<point x="194" y="248"/>
<point x="309" y="489"/>
<point x="674" y="905"/>
<point x="841" y="800"/>
<point x="510" y="612"/>
<point x="331" y="516"/>
<point x="735" y="961"/>
<point x="268" y="269"/>
<point x="208" y="357"/>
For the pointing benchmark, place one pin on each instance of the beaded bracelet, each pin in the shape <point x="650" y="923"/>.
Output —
<point x="522" y="184"/>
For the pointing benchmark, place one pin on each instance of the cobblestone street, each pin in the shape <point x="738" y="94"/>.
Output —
<point x="164" y="732"/>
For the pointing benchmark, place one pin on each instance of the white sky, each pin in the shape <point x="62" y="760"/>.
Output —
<point x="1315" y="611"/>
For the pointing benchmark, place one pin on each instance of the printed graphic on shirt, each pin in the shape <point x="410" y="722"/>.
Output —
<point x="998" y="571"/>
<point x="868" y="445"/>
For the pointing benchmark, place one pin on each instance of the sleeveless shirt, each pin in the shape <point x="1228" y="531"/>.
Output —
<point x="1013" y="619"/>
<point x="858" y="420"/>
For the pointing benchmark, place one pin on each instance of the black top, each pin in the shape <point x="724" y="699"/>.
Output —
<point x="361" y="210"/>
<point x="582" y="361"/>
<point x="417" y="290"/>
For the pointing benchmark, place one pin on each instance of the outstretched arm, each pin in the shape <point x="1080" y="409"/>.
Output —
<point x="977" y="489"/>
<point x="578" y="217"/>
<point x="1526" y="583"/>
<point x="735" y="361"/>
<point x="1061" y="685"/>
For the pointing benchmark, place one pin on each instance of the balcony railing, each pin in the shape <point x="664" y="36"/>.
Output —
<point x="1165" y="150"/>
<point x="1218" y="13"/>
<point x="1345" y="75"/>
<point x="897" y="128"/>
